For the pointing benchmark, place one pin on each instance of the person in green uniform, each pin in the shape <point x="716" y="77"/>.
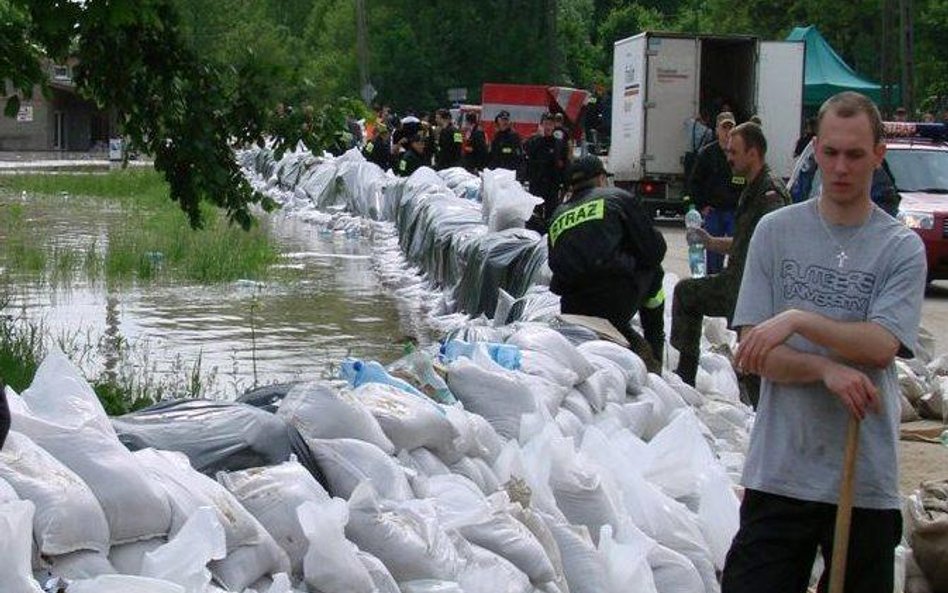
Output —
<point x="716" y="296"/>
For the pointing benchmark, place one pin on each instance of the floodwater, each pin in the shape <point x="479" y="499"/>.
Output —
<point x="233" y="336"/>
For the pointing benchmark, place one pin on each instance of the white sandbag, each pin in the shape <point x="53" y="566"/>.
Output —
<point x="506" y="205"/>
<point x="409" y="421"/>
<point x="627" y="568"/>
<point x="580" y="492"/>
<point x="601" y="362"/>
<point x="486" y="572"/>
<point x="331" y="564"/>
<point x="537" y="525"/>
<point x="425" y="462"/>
<point x="718" y="514"/>
<point x="67" y="516"/>
<point x="660" y="517"/>
<point x="489" y="443"/>
<point x="272" y="495"/>
<point x="430" y="586"/>
<point x="7" y="493"/>
<point x="320" y="411"/>
<point x="188" y="490"/>
<point x="246" y="564"/>
<point x="493" y="392"/>
<point x="569" y="424"/>
<point x="382" y="579"/>
<point x="348" y="462"/>
<point x="84" y="564"/>
<point x="689" y="394"/>
<point x="584" y="567"/>
<point x="407" y="538"/>
<point x="542" y="365"/>
<point x="638" y="417"/>
<point x="605" y="385"/>
<point x="16" y="523"/>
<point x="457" y="500"/>
<point x="623" y="357"/>
<point x="577" y="403"/>
<point x="466" y="442"/>
<point x="673" y="573"/>
<point x="183" y="560"/>
<point x="505" y="536"/>
<point x="716" y="376"/>
<point x="474" y="471"/>
<point x="62" y="414"/>
<point x="546" y="393"/>
<point x="541" y="338"/>
<point x="127" y="558"/>
<point x="669" y="397"/>
<point x="124" y="584"/>
<point x="679" y="458"/>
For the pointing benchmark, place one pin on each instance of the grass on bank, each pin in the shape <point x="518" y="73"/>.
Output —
<point x="128" y="383"/>
<point x="149" y="237"/>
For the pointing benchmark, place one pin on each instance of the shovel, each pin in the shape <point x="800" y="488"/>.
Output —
<point x="844" y="510"/>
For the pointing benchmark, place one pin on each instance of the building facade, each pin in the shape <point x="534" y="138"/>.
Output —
<point x="61" y="120"/>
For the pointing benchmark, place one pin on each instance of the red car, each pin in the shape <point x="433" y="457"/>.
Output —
<point x="917" y="158"/>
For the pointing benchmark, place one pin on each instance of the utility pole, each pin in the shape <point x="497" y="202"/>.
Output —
<point x="907" y="48"/>
<point x="362" y="51"/>
<point x="884" y="61"/>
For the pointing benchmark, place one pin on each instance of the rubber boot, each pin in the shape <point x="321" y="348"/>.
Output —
<point x="687" y="368"/>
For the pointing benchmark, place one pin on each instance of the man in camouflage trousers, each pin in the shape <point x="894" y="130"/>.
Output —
<point x="716" y="296"/>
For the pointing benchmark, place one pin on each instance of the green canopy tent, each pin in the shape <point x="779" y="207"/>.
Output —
<point x="825" y="73"/>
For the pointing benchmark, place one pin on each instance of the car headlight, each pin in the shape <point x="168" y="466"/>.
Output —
<point x="917" y="220"/>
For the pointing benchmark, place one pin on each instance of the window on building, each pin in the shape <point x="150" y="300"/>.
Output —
<point x="61" y="73"/>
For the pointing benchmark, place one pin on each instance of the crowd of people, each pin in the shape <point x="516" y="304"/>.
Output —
<point x="539" y="161"/>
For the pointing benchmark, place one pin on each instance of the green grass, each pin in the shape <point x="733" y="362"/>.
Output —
<point x="150" y="239"/>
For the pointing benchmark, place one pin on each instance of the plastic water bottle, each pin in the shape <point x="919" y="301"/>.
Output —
<point x="506" y="355"/>
<point x="696" y="251"/>
<point x="358" y="372"/>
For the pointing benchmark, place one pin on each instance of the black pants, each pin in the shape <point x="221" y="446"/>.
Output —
<point x="774" y="549"/>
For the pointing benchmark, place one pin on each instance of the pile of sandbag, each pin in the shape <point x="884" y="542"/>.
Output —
<point x="924" y="388"/>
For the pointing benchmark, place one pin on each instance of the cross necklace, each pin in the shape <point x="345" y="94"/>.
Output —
<point x="841" y="257"/>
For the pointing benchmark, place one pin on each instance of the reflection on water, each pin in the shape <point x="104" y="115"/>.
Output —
<point x="286" y="329"/>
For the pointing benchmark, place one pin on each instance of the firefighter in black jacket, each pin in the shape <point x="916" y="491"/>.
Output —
<point x="545" y="164"/>
<point x="378" y="150"/>
<point x="475" y="145"/>
<point x="506" y="151"/>
<point x="413" y="157"/>
<point x="450" y="141"/>
<point x="606" y="258"/>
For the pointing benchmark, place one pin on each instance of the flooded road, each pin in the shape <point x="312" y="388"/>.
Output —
<point x="326" y="302"/>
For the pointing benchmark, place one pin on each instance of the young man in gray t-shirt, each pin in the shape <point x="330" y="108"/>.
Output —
<point x="831" y="293"/>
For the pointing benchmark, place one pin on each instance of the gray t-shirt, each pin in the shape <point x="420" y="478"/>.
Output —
<point x="796" y="447"/>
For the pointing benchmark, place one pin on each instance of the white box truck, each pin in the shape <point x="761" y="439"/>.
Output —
<point x="660" y="81"/>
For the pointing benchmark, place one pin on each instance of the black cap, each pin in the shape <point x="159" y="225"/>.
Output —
<point x="504" y="114"/>
<point x="585" y="168"/>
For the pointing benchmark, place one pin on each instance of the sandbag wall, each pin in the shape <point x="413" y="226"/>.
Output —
<point x="442" y="227"/>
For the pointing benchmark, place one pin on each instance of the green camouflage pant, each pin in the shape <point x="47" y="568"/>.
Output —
<point x="695" y="299"/>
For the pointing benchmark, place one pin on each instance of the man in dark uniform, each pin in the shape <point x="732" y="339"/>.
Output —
<point x="716" y="296"/>
<point x="378" y="150"/>
<point x="450" y="140"/>
<point x="545" y="163"/>
<point x="475" y="145"/>
<point x="506" y="151"/>
<point x="606" y="257"/>
<point x="715" y="189"/>
<point x="413" y="157"/>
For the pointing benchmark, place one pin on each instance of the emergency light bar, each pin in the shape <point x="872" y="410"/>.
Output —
<point x="907" y="129"/>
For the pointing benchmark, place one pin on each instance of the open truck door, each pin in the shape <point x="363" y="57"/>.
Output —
<point x="671" y="98"/>
<point x="780" y="67"/>
<point x="628" y="116"/>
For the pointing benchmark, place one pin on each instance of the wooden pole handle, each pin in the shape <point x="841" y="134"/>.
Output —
<point x="844" y="510"/>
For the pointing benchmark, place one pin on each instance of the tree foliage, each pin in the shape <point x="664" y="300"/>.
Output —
<point x="190" y="79"/>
